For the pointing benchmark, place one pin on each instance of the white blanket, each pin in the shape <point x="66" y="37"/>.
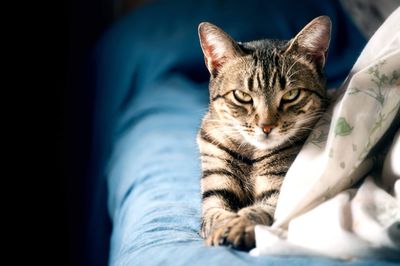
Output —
<point x="341" y="197"/>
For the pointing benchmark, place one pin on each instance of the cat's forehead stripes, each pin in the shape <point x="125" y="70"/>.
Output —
<point x="259" y="83"/>
<point x="282" y="82"/>
<point x="277" y="71"/>
<point x="250" y="83"/>
<point x="273" y="77"/>
<point x="268" y="65"/>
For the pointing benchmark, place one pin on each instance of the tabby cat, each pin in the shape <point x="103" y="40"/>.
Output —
<point x="265" y="96"/>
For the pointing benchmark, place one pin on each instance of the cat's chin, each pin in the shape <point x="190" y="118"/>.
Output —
<point x="263" y="142"/>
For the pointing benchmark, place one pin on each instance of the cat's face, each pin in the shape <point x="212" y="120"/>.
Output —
<point x="266" y="92"/>
<point x="268" y="101"/>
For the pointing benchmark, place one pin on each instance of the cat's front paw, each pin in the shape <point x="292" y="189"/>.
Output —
<point x="237" y="233"/>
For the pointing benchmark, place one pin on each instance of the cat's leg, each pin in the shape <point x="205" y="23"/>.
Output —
<point x="218" y="209"/>
<point x="222" y="187"/>
<point x="238" y="231"/>
<point x="225" y="227"/>
<point x="219" y="213"/>
<point x="213" y="220"/>
<point x="229" y="213"/>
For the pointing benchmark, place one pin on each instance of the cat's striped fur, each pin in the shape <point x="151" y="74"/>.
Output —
<point x="264" y="98"/>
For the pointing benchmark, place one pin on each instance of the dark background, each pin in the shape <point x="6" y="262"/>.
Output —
<point x="83" y="22"/>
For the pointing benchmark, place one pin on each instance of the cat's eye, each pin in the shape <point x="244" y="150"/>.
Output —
<point x="291" y="95"/>
<point x="242" y="97"/>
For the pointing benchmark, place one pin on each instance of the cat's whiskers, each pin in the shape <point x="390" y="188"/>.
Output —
<point x="294" y="137"/>
<point x="244" y="144"/>
<point x="226" y="131"/>
<point x="303" y="128"/>
<point x="231" y="131"/>
<point x="314" y="115"/>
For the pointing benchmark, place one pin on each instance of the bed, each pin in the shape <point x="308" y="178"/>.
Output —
<point x="151" y="93"/>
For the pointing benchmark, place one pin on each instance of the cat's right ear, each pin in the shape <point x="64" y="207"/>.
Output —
<point x="218" y="47"/>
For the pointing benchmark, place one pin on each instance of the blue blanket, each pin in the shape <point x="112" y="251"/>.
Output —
<point x="151" y="85"/>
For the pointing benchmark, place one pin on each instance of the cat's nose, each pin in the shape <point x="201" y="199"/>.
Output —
<point x="267" y="128"/>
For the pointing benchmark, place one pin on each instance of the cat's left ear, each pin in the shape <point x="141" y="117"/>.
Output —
<point x="313" y="40"/>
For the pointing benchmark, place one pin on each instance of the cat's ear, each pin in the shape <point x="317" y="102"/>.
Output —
<point x="313" y="40"/>
<point x="218" y="47"/>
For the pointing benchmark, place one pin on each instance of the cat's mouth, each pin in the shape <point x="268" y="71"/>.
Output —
<point x="263" y="141"/>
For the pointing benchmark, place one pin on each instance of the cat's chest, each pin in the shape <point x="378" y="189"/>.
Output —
<point x="250" y="171"/>
<point x="262" y="166"/>
<point x="241" y="169"/>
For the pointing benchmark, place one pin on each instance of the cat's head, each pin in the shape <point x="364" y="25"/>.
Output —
<point x="268" y="92"/>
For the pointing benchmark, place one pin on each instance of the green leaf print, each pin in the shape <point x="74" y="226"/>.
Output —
<point x="342" y="127"/>
<point x="380" y="80"/>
